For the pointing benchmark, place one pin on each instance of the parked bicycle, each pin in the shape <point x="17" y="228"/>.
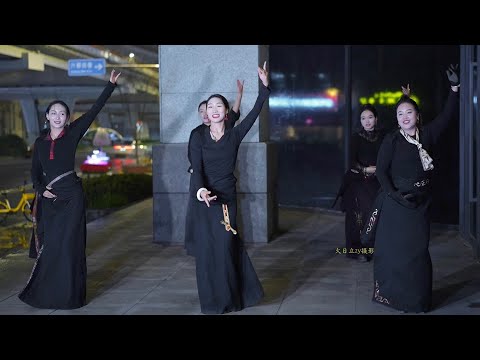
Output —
<point x="24" y="205"/>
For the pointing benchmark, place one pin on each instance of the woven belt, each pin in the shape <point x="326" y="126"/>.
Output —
<point x="421" y="183"/>
<point x="49" y="186"/>
<point x="226" y="220"/>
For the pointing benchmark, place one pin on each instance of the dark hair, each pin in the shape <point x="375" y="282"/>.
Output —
<point x="54" y="102"/>
<point x="221" y="97"/>
<point x="369" y="107"/>
<point x="407" y="99"/>
<point x="203" y="102"/>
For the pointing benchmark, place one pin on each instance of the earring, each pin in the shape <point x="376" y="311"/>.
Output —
<point x="45" y="124"/>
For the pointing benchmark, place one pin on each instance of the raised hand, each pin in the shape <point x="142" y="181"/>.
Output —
<point x="452" y="74"/>
<point x="114" y="77"/>
<point x="263" y="74"/>
<point x="240" y="86"/>
<point x="406" y="90"/>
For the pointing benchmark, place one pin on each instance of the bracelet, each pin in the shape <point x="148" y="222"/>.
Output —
<point x="198" y="193"/>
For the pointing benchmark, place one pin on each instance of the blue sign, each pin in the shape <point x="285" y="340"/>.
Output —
<point x="86" y="67"/>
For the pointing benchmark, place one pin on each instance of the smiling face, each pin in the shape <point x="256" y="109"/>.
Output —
<point x="407" y="117"/>
<point x="57" y="115"/>
<point x="216" y="110"/>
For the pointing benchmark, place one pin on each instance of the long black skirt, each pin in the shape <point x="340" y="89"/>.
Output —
<point x="193" y="208"/>
<point x="357" y="201"/>
<point x="402" y="263"/>
<point x="226" y="278"/>
<point x="58" y="278"/>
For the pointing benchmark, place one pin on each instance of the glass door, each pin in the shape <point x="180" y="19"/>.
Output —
<point x="469" y="147"/>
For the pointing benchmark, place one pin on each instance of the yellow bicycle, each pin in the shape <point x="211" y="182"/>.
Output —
<point x="24" y="205"/>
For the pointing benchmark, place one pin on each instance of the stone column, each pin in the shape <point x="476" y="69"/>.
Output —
<point x="188" y="75"/>
<point x="30" y="116"/>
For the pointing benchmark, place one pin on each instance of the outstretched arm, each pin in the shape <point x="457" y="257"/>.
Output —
<point x="238" y="100"/>
<point x="234" y="113"/>
<point x="440" y="123"/>
<point x="81" y="125"/>
<point x="242" y="129"/>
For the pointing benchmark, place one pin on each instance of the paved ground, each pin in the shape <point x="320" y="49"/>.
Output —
<point x="128" y="274"/>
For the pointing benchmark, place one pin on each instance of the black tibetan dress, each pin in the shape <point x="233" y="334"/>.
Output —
<point x="402" y="263"/>
<point x="58" y="278"/>
<point x="360" y="190"/>
<point x="193" y="204"/>
<point x="226" y="278"/>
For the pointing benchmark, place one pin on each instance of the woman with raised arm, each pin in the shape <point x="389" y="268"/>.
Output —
<point x="58" y="278"/>
<point x="402" y="263"/>
<point x="231" y="118"/>
<point x="226" y="278"/>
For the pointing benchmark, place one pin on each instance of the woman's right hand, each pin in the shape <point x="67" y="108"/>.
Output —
<point x="49" y="195"/>
<point x="114" y="76"/>
<point x="205" y="196"/>
<point x="263" y="74"/>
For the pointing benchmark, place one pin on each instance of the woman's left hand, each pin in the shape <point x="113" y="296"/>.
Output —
<point x="263" y="74"/>
<point x="240" y="86"/>
<point x="114" y="77"/>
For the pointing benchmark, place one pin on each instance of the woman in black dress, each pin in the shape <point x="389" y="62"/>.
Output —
<point x="226" y="279"/>
<point x="360" y="182"/>
<point x="402" y="264"/>
<point x="58" y="278"/>
<point x="193" y="205"/>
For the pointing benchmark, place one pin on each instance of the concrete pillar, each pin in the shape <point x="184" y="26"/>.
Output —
<point x="188" y="75"/>
<point x="104" y="119"/>
<point x="30" y="117"/>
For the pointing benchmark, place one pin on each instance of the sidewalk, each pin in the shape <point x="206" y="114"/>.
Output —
<point x="9" y="160"/>
<point x="301" y="274"/>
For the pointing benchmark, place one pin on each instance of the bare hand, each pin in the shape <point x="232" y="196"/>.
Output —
<point x="240" y="86"/>
<point x="406" y="91"/>
<point x="263" y="74"/>
<point x="114" y="77"/>
<point x="205" y="196"/>
<point x="371" y="169"/>
<point x="49" y="195"/>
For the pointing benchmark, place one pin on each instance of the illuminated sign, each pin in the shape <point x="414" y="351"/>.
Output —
<point x="385" y="98"/>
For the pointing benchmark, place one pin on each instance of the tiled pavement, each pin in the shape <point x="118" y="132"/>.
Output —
<point x="299" y="269"/>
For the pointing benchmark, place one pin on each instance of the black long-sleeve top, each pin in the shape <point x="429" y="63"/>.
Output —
<point x="229" y="123"/>
<point x="397" y="158"/>
<point x="214" y="162"/>
<point x="364" y="147"/>
<point x="55" y="157"/>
